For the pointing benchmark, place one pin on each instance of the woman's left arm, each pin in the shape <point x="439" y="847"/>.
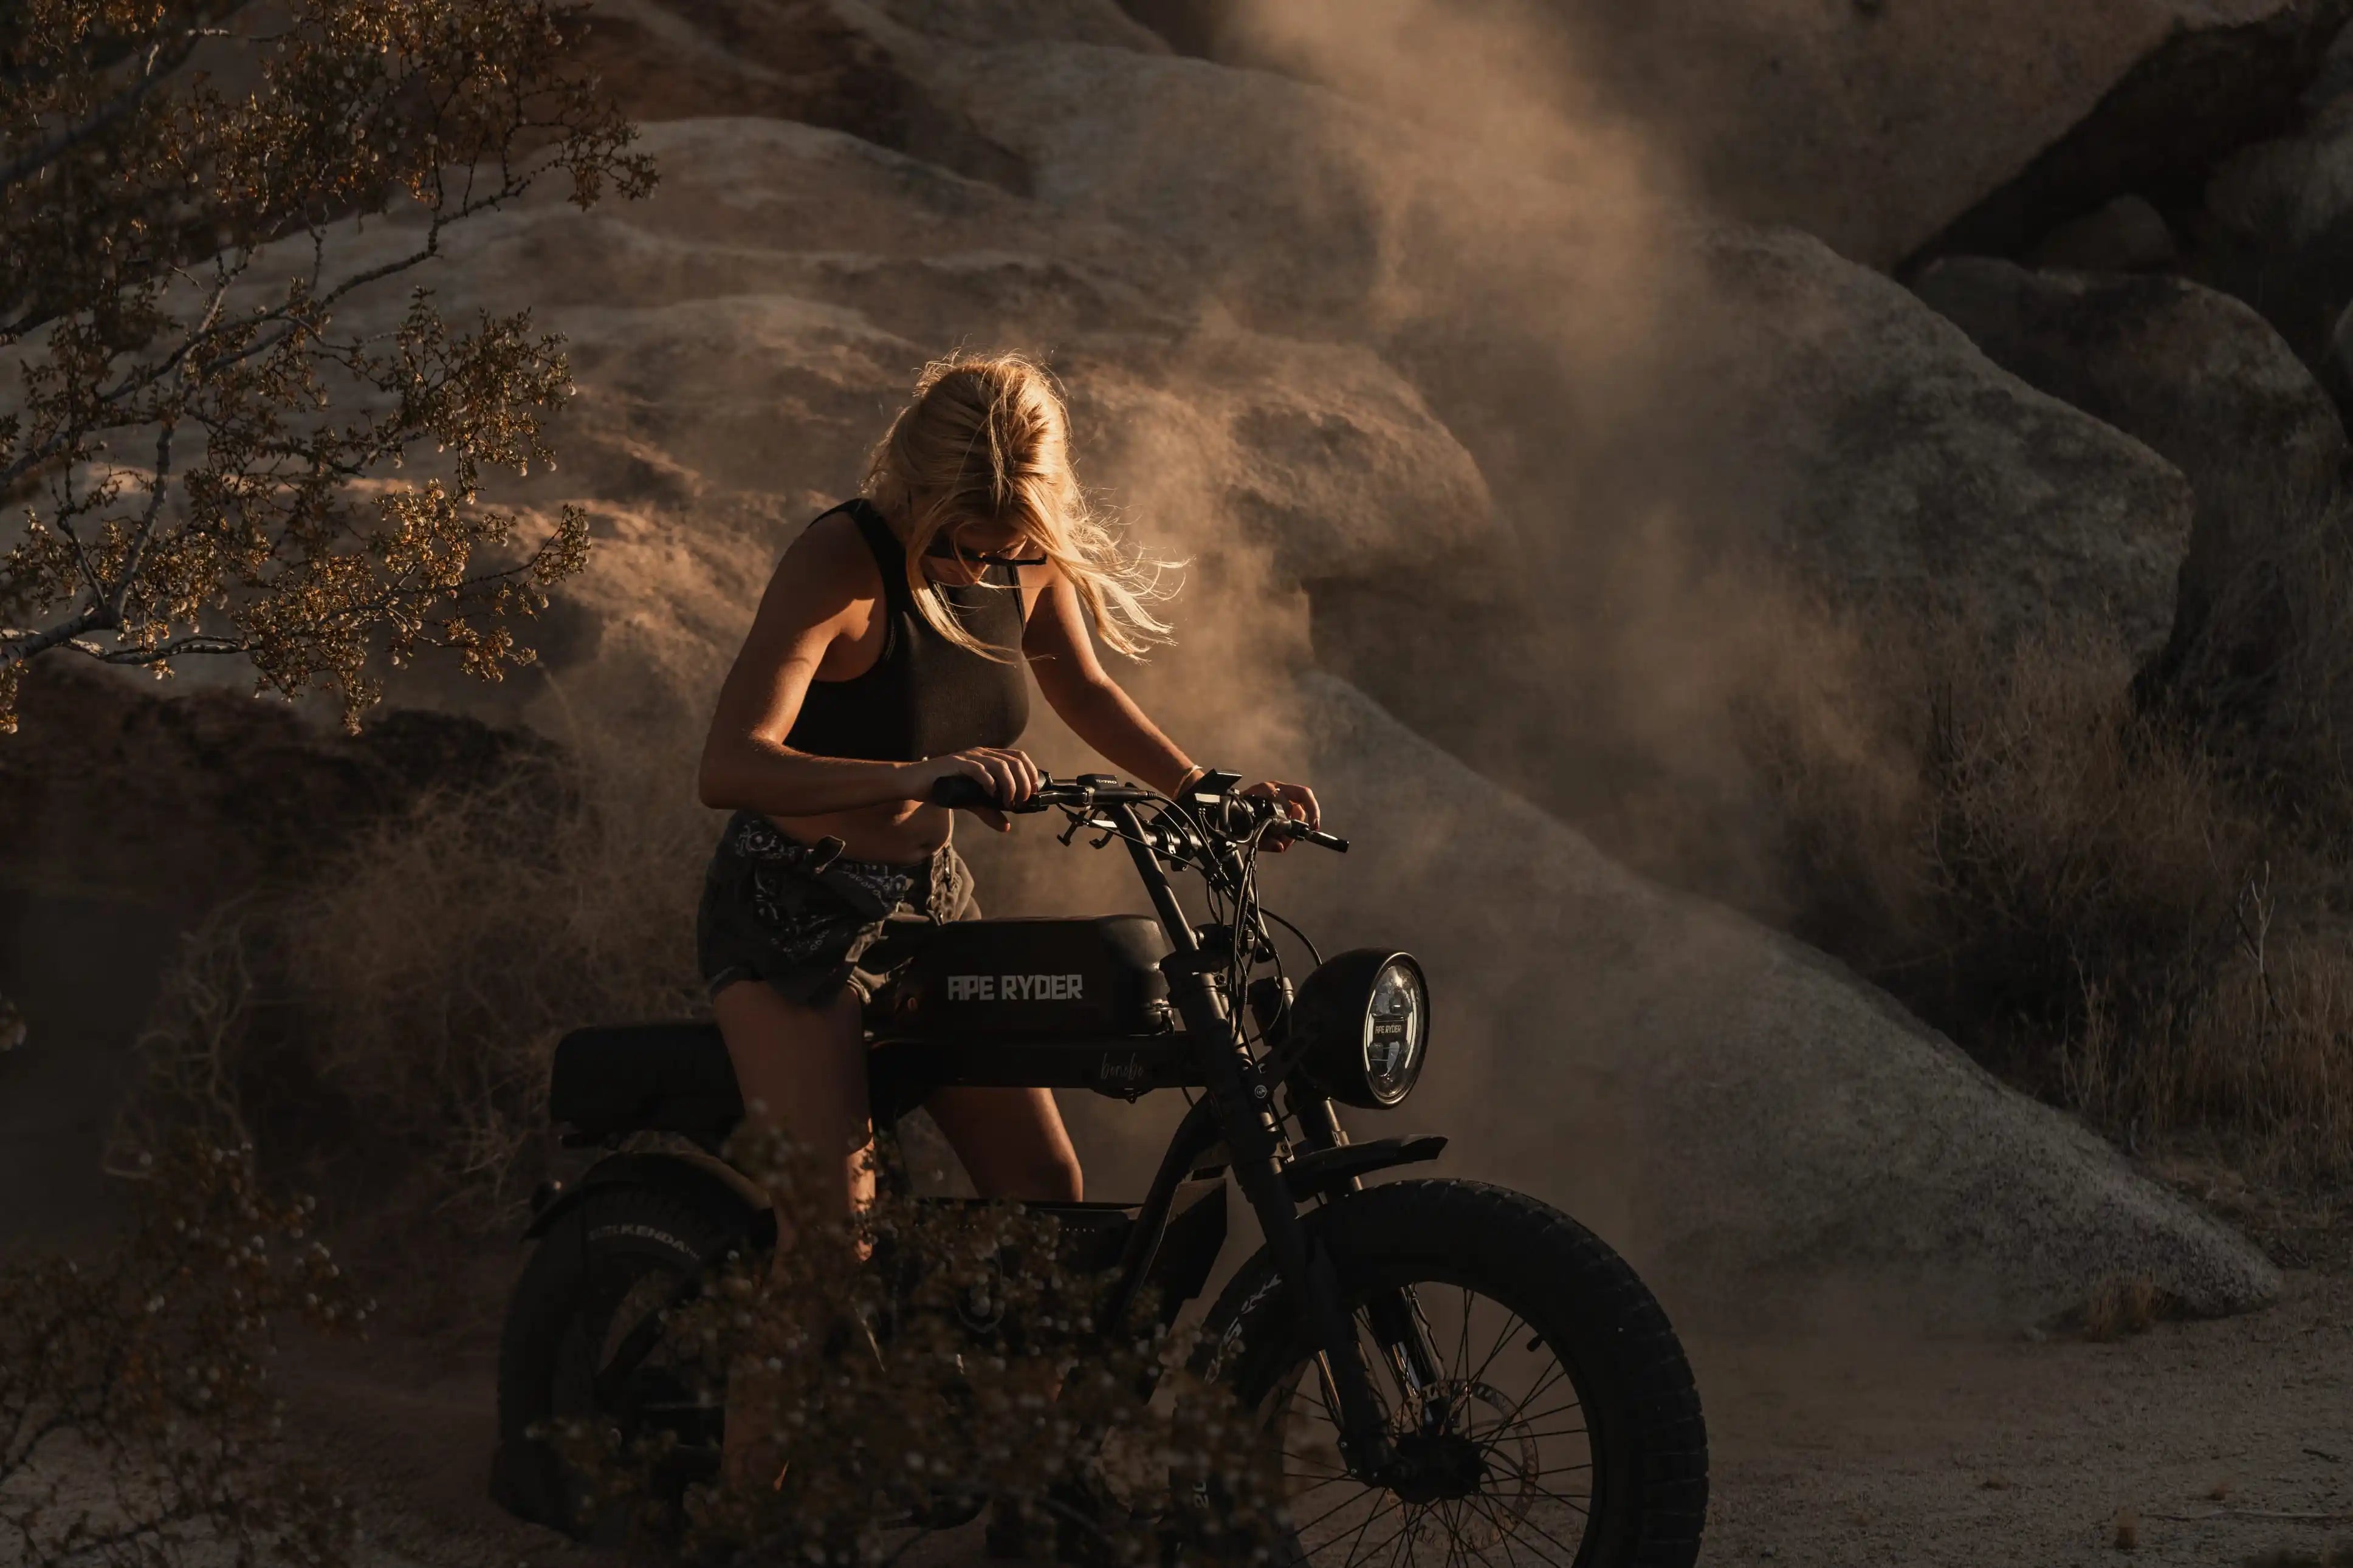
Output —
<point x="1099" y="712"/>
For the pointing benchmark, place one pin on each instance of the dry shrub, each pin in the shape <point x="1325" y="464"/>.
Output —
<point x="385" y="1030"/>
<point x="2267" y="1053"/>
<point x="2121" y="1306"/>
<point x="2103" y="903"/>
<point x="137" y="1425"/>
<point x="901" y="1371"/>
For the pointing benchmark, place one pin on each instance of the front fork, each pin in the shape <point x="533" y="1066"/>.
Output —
<point x="1243" y="1101"/>
<point x="1329" y="1326"/>
<point x="1397" y="1326"/>
<point x="1253" y="1138"/>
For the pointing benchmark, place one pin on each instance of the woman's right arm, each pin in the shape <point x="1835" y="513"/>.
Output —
<point x="815" y="596"/>
<point x="822" y="590"/>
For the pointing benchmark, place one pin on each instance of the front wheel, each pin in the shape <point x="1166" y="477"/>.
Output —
<point x="1540" y="1406"/>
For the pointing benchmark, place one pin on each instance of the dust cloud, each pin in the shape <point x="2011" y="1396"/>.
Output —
<point x="1530" y="286"/>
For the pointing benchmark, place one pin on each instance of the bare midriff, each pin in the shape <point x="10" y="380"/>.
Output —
<point x="889" y="833"/>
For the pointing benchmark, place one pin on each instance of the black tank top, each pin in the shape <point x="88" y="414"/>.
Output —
<point x="924" y="696"/>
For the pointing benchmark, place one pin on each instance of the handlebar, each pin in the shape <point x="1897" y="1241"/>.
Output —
<point x="1238" y="817"/>
<point x="962" y="791"/>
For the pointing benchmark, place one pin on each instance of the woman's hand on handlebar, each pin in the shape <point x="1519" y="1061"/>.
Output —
<point x="1007" y="777"/>
<point x="1296" y="802"/>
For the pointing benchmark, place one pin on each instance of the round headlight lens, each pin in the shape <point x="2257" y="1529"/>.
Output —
<point x="1361" y="1026"/>
<point x="1397" y="1021"/>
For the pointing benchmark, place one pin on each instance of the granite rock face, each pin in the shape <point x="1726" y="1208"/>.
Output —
<point x="2206" y="383"/>
<point x="1884" y="129"/>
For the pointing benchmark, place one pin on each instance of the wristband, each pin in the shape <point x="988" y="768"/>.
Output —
<point x="1191" y="776"/>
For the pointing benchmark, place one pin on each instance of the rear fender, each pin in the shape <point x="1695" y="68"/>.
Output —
<point x="710" y="1187"/>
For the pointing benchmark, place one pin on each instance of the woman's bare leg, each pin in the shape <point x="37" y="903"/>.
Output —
<point x="1012" y="1142"/>
<point x="802" y="1071"/>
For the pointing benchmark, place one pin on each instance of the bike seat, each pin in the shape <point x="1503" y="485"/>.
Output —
<point x="646" y="1077"/>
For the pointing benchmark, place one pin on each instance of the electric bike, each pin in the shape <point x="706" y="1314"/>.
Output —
<point x="1448" y="1368"/>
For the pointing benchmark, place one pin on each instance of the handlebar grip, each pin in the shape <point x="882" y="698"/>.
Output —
<point x="961" y="790"/>
<point x="1298" y="833"/>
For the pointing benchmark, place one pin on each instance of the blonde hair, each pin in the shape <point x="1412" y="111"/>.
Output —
<point x="987" y="438"/>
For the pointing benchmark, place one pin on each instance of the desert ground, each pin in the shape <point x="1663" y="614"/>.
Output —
<point x="2211" y="1443"/>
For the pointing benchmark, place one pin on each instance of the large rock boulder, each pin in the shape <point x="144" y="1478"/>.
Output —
<point x="840" y="64"/>
<point x="2277" y="228"/>
<point x="2203" y="381"/>
<point x="1883" y="129"/>
<point x="1896" y="457"/>
<point x="1292" y="203"/>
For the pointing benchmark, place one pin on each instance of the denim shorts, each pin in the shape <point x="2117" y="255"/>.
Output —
<point x="808" y="922"/>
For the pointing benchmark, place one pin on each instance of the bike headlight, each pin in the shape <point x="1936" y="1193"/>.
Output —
<point x="1363" y="1020"/>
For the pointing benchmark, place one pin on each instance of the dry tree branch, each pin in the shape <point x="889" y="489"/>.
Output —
<point x="253" y="545"/>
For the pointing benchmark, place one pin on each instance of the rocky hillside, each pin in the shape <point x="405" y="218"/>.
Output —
<point x="1890" y="131"/>
<point x="1460" y="407"/>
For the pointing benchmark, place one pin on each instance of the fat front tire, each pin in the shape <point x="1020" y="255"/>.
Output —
<point x="1563" y="1429"/>
<point x="624" y="1255"/>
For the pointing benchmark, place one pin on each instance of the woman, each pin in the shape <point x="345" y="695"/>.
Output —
<point x="888" y="653"/>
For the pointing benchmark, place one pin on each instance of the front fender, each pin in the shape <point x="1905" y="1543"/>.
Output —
<point x="1327" y="1170"/>
<point x="710" y="1187"/>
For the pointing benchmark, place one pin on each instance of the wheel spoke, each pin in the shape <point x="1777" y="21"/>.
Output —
<point x="1557" y="1372"/>
<point x="1507" y="1531"/>
<point x="1404" y="1525"/>
<point x="1529" y="1485"/>
<point x="1405" y="1535"/>
<point x="1372" y="1514"/>
<point x="1511" y="1425"/>
<point x="1455" y="1538"/>
<point x="1503" y="1338"/>
<point x="1327" y="1513"/>
<point x="1576" y="1404"/>
<point x="1318" y="1486"/>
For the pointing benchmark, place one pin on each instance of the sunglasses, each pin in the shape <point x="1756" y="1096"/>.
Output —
<point x="941" y="549"/>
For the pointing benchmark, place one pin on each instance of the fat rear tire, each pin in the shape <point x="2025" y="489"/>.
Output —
<point x="619" y="1244"/>
<point x="1649" y="1442"/>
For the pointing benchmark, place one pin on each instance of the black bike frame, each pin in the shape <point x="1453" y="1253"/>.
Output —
<point x="1238" y="1110"/>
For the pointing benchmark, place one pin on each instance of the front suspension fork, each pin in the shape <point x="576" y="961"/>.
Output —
<point x="1253" y="1138"/>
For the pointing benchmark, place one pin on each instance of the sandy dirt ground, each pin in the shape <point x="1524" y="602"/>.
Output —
<point x="2213" y="1442"/>
<point x="2199" y="1437"/>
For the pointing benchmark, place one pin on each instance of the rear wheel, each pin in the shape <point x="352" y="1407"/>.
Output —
<point x="1540" y="1406"/>
<point x="583" y="1344"/>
